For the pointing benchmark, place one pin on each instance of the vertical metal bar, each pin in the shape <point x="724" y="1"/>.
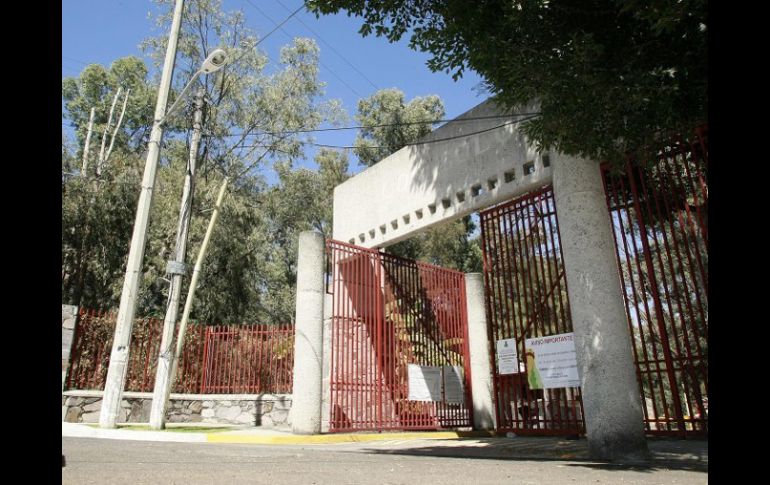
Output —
<point x="507" y="325"/>
<point x="529" y="301"/>
<point x="334" y="380"/>
<point x="689" y="149"/>
<point x="556" y="396"/>
<point x="490" y="309"/>
<point x="682" y="294"/>
<point x="517" y="255"/>
<point x="635" y="258"/>
<point x="611" y="192"/>
<point x="505" y="321"/>
<point x="540" y="302"/>
<point x="689" y="259"/>
<point x="333" y="328"/>
<point x="379" y="315"/>
<point x="205" y="363"/>
<point x="663" y="278"/>
<point x="690" y="224"/>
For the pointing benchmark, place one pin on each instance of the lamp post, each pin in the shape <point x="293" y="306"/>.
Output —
<point x="176" y="270"/>
<point x="116" y="374"/>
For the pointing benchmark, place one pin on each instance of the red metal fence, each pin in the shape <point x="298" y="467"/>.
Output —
<point x="387" y="313"/>
<point x="248" y="359"/>
<point x="660" y="221"/>
<point x="526" y="295"/>
<point x="215" y="359"/>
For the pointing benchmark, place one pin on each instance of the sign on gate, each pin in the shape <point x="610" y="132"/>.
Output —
<point x="507" y="359"/>
<point x="552" y="362"/>
<point x="454" y="391"/>
<point x="424" y="383"/>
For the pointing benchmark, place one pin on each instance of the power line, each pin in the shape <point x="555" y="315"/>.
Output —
<point x="462" y="135"/>
<point x="246" y="51"/>
<point x="384" y="125"/>
<point x="278" y="26"/>
<point x="290" y="37"/>
<point x="332" y="48"/>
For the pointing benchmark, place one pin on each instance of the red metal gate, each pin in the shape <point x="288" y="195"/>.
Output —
<point x="526" y="295"/>
<point x="388" y="312"/>
<point x="660" y="222"/>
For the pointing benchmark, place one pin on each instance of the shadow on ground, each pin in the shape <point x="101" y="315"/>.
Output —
<point x="666" y="455"/>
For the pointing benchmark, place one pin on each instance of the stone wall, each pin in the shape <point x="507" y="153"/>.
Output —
<point x="270" y="410"/>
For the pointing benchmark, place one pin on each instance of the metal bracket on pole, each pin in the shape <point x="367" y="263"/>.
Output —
<point x="176" y="267"/>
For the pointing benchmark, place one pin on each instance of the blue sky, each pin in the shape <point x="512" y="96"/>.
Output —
<point x="100" y="31"/>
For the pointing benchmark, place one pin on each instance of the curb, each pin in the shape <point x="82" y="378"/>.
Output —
<point x="341" y="438"/>
<point x="240" y="437"/>
<point x="80" y="431"/>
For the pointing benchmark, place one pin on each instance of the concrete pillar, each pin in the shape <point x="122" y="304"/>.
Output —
<point x="611" y="399"/>
<point x="482" y="387"/>
<point x="69" y="315"/>
<point x="308" y="339"/>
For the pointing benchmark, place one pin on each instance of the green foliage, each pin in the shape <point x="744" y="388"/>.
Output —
<point x="249" y="273"/>
<point x="609" y="76"/>
<point x="389" y="124"/>
<point x="302" y="201"/>
<point x="96" y="88"/>
<point x="97" y="220"/>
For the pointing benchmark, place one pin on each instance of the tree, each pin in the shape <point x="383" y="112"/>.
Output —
<point x="95" y="87"/>
<point x="388" y="125"/>
<point x="97" y="214"/>
<point x="609" y="76"/>
<point x="301" y="201"/>
<point x="96" y="228"/>
<point x="251" y="119"/>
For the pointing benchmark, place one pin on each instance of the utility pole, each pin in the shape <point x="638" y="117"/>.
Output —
<point x="116" y="374"/>
<point x="194" y="281"/>
<point x="176" y="268"/>
<point x="87" y="143"/>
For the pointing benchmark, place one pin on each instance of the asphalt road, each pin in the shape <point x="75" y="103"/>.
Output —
<point x="104" y="461"/>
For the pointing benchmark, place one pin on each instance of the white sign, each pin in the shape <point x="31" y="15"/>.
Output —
<point x="507" y="359"/>
<point x="424" y="383"/>
<point x="552" y="362"/>
<point x="454" y="391"/>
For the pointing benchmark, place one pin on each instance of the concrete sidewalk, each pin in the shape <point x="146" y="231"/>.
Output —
<point x="673" y="454"/>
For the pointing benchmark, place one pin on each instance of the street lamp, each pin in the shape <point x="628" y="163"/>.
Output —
<point x="176" y="267"/>
<point x="214" y="62"/>
<point x="116" y="374"/>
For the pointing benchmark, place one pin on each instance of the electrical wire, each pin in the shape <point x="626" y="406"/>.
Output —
<point x="462" y="135"/>
<point x="332" y="48"/>
<point x="383" y="125"/>
<point x="290" y="37"/>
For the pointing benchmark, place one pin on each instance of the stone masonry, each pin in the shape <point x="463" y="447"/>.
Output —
<point x="256" y="410"/>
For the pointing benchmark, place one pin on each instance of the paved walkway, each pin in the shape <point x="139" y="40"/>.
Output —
<point x="674" y="454"/>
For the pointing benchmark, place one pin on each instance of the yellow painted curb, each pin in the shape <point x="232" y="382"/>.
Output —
<point x="338" y="438"/>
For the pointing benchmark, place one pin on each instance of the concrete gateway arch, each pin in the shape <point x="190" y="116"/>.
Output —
<point x="472" y="163"/>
